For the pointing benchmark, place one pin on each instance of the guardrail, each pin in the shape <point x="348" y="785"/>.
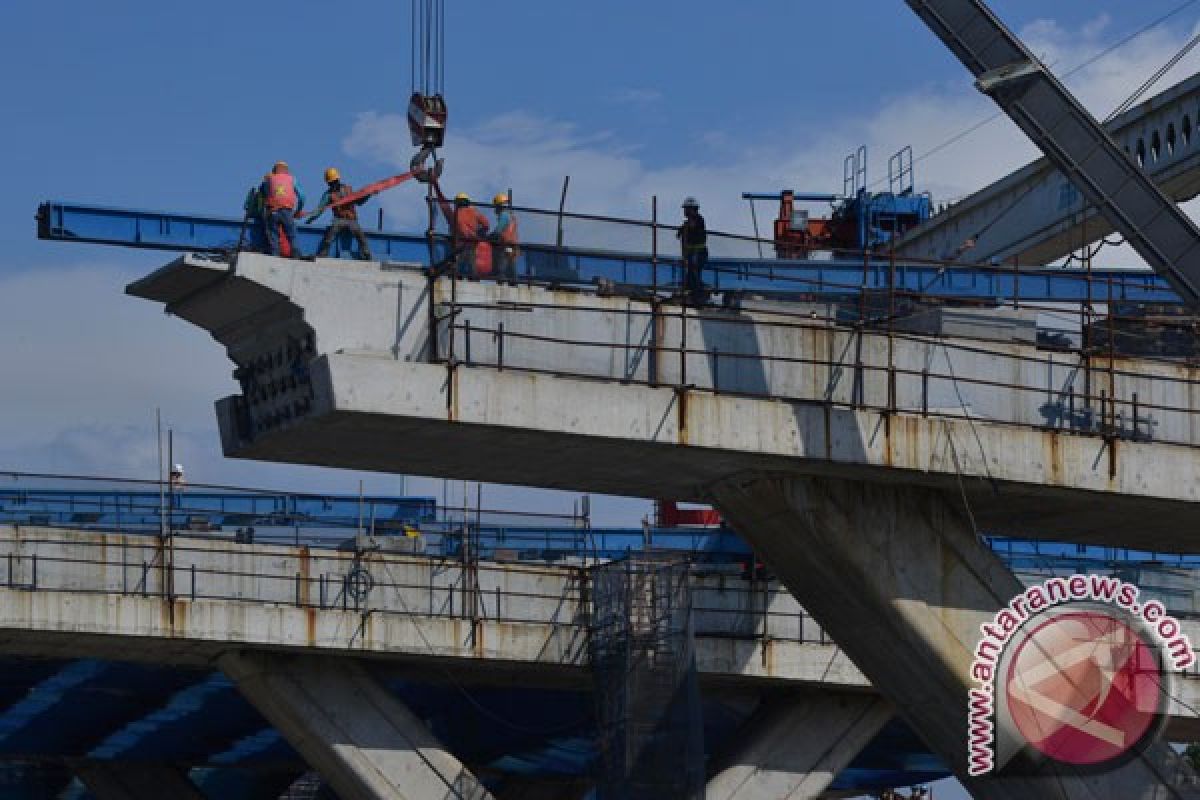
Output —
<point x="568" y="248"/>
<point x="368" y="582"/>
<point x="819" y="355"/>
<point x="725" y="604"/>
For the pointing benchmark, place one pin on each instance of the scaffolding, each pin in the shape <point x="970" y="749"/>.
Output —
<point x="647" y="699"/>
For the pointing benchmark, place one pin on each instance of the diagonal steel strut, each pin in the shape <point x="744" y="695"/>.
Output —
<point x="1070" y="138"/>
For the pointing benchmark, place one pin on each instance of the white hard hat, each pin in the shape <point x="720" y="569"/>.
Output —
<point x="690" y="202"/>
<point x="177" y="468"/>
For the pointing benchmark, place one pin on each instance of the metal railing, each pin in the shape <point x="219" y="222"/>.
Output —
<point x="725" y="604"/>
<point x="1089" y="385"/>
<point x="183" y="568"/>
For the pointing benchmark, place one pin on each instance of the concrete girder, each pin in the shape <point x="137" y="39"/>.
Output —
<point x="804" y="401"/>
<point x="124" y="780"/>
<point x="365" y="743"/>
<point x="795" y="748"/>
<point x="898" y="577"/>
<point x="1035" y="215"/>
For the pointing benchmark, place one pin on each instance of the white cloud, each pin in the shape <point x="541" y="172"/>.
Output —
<point x="531" y="154"/>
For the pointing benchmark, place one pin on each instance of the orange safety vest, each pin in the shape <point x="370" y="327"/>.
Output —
<point x="468" y="222"/>
<point x="281" y="191"/>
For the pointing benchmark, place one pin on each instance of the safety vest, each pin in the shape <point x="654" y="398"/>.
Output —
<point x="509" y="234"/>
<point x="467" y="224"/>
<point x="348" y="211"/>
<point x="281" y="191"/>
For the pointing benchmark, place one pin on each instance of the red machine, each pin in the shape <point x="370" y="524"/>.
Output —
<point x="670" y="515"/>
<point x="797" y="234"/>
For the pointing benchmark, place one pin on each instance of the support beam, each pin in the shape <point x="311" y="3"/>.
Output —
<point x="1035" y="215"/>
<point x="795" y="748"/>
<point x="349" y="728"/>
<point x="1070" y="138"/>
<point x="126" y="780"/>
<point x="897" y="576"/>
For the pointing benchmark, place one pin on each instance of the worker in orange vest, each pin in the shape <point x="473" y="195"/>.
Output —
<point x="469" y="227"/>
<point x="282" y="198"/>
<point x="506" y="237"/>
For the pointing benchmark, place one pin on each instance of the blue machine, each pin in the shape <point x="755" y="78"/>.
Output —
<point x="860" y="219"/>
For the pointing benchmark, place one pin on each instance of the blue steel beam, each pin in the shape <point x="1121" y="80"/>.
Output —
<point x="159" y="230"/>
<point x="72" y="222"/>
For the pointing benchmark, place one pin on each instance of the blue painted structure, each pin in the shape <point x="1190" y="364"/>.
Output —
<point x="194" y="718"/>
<point x="834" y="278"/>
<point x="878" y="217"/>
<point x="316" y="519"/>
<point x="207" y="509"/>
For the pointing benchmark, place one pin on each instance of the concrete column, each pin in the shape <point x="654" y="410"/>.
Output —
<point x="349" y="728"/>
<point x="126" y="780"/>
<point x="793" y="748"/>
<point x="898" y="577"/>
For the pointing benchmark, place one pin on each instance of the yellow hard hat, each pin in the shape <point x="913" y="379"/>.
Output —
<point x="280" y="165"/>
<point x="500" y="199"/>
<point x="462" y="197"/>
<point x="332" y="175"/>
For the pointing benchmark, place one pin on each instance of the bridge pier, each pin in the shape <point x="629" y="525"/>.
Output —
<point x="123" y="780"/>
<point x="898" y="577"/>
<point x="794" y="748"/>
<point x="363" y="741"/>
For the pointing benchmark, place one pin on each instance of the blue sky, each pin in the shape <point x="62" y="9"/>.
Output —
<point x="181" y="105"/>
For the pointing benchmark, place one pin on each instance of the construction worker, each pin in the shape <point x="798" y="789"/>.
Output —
<point x="255" y="209"/>
<point x="283" y="199"/>
<point x="472" y="252"/>
<point x="345" y="217"/>
<point x="506" y="238"/>
<point x="176" y="478"/>
<point x="693" y="237"/>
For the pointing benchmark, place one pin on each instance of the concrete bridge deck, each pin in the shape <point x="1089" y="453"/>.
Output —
<point x="77" y="594"/>
<point x="861" y="462"/>
<point x="377" y="367"/>
<point x="98" y="595"/>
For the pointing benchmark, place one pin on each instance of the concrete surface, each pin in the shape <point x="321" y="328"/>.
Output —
<point x="794" y="748"/>
<point x="749" y="635"/>
<point x="344" y="365"/>
<point x="354" y="732"/>
<point x="900" y="579"/>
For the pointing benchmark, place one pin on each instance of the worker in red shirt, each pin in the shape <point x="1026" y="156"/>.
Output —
<point x="282" y="199"/>
<point x="469" y="228"/>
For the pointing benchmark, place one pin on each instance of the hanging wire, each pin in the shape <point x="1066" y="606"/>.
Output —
<point x="1155" y="78"/>
<point x="428" y="46"/>
<point x="1084" y="65"/>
